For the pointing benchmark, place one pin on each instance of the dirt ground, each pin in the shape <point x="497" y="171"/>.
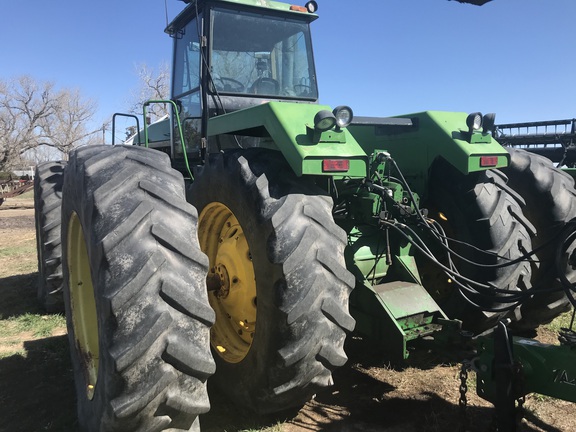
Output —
<point x="370" y="394"/>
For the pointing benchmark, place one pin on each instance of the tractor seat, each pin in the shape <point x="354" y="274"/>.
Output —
<point x="265" y="86"/>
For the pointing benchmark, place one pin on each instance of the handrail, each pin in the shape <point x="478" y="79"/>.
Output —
<point x="114" y="126"/>
<point x="175" y="110"/>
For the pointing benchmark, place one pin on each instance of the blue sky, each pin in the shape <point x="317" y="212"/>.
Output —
<point x="381" y="57"/>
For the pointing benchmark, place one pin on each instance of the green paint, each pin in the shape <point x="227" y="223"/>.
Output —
<point x="395" y="313"/>
<point x="546" y="369"/>
<point x="288" y="124"/>
<point x="570" y="171"/>
<point x="435" y="134"/>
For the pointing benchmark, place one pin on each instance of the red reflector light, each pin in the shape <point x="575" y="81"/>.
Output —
<point x="488" y="161"/>
<point x="335" y="165"/>
<point x="298" y="8"/>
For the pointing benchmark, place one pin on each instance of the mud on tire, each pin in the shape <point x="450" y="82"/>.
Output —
<point x="48" y="180"/>
<point x="134" y="283"/>
<point x="300" y="283"/>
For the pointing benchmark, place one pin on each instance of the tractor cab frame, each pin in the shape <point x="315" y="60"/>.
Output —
<point x="230" y="56"/>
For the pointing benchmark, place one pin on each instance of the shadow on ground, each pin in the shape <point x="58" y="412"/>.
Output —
<point x="360" y="402"/>
<point x="36" y="388"/>
<point x="37" y="391"/>
<point x="18" y="295"/>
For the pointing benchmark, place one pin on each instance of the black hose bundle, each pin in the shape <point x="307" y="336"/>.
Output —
<point x="468" y="288"/>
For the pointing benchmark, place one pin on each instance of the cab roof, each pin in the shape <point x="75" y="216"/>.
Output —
<point x="190" y="10"/>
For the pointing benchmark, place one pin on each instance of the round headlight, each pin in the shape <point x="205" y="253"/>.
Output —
<point x="344" y="115"/>
<point x="324" y="120"/>
<point x="312" y="6"/>
<point x="474" y="121"/>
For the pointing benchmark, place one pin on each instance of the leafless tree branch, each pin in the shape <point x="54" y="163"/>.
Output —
<point x="34" y="114"/>
<point x="154" y="85"/>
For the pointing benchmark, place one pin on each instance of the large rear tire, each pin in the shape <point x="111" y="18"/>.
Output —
<point x="48" y="181"/>
<point x="134" y="287"/>
<point x="550" y="203"/>
<point x="481" y="210"/>
<point x="278" y="280"/>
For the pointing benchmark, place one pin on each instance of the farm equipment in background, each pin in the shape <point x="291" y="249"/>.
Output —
<point x="267" y="227"/>
<point x="553" y="139"/>
<point x="13" y="188"/>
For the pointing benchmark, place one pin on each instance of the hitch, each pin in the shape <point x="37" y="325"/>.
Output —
<point x="509" y="368"/>
<point x="507" y="380"/>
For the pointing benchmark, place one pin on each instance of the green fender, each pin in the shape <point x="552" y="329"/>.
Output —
<point x="291" y="127"/>
<point x="433" y="134"/>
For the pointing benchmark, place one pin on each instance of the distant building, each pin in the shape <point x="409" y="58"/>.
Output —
<point x="21" y="173"/>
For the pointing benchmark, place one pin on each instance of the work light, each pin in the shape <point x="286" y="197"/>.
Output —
<point x="324" y="120"/>
<point x="474" y="121"/>
<point x="344" y="116"/>
<point x="488" y="122"/>
<point x="312" y="6"/>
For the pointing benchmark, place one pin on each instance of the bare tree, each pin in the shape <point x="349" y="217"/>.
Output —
<point x="33" y="114"/>
<point x="39" y="154"/>
<point x="24" y="106"/>
<point x="154" y="85"/>
<point x="66" y="127"/>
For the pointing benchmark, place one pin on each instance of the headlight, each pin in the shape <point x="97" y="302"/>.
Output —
<point x="324" y="120"/>
<point x="488" y="122"/>
<point x="344" y="116"/>
<point x="312" y="6"/>
<point x="474" y="122"/>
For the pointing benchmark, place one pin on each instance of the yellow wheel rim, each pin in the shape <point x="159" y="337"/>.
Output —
<point x="83" y="304"/>
<point x="231" y="282"/>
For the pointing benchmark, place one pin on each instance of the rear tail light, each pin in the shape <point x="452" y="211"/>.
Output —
<point x="488" y="161"/>
<point x="335" y="165"/>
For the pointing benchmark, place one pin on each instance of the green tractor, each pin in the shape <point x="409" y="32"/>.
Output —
<point x="247" y="246"/>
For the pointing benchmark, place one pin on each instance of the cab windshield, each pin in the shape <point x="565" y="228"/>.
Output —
<point x="254" y="54"/>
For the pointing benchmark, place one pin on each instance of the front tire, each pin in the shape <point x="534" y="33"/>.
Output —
<point x="278" y="280"/>
<point x="134" y="287"/>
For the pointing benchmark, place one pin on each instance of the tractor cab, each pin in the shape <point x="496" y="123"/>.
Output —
<point x="230" y="55"/>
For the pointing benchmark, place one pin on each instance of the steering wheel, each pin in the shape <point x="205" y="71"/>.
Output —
<point x="228" y="84"/>
<point x="302" y="89"/>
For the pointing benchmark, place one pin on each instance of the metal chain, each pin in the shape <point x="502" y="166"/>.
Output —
<point x="463" y="401"/>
